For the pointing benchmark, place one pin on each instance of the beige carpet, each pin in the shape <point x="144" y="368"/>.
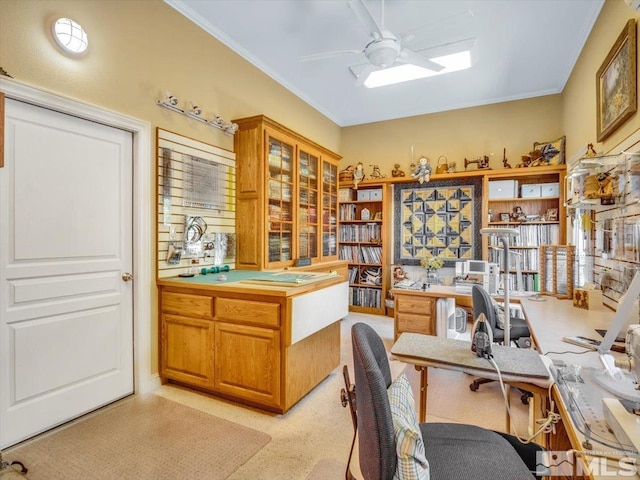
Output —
<point x="147" y="437"/>
<point x="327" y="469"/>
<point x="311" y="441"/>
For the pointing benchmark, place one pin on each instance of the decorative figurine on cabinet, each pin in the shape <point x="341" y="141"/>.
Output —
<point x="423" y="171"/>
<point x="396" y="172"/>
<point x="376" y="172"/>
<point x="358" y="175"/>
<point x="399" y="274"/>
<point x="518" y="215"/>
<point x="505" y="162"/>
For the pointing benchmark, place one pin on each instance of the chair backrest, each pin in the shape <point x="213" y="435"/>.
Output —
<point x="482" y="304"/>
<point x="375" y="424"/>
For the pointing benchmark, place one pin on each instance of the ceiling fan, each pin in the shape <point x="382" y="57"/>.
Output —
<point x="384" y="50"/>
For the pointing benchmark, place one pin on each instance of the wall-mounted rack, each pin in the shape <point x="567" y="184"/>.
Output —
<point x="171" y="102"/>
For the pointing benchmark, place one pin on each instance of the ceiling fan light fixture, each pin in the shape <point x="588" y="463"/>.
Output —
<point x="406" y="72"/>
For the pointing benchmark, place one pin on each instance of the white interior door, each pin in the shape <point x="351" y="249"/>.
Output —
<point x="66" y="326"/>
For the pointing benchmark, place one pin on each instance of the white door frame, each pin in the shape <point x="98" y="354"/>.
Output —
<point x="144" y="380"/>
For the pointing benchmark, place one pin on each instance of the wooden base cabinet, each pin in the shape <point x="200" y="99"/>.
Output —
<point x="414" y="313"/>
<point x="193" y="362"/>
<point x="247" y="363"/>
<point x="253" y="345"/>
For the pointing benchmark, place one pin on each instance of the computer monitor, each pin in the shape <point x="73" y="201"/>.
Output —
<point x="477" y="267"/>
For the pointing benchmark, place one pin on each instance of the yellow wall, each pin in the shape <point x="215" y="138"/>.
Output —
<point x="140" y="48"/>
<point x="471" y="132"/>
<point x="456" y="134"/>
<point x="579" y="96"/>
<point x="137" y="50"/>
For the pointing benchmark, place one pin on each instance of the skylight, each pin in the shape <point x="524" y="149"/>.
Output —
<point x="404" y="73"/>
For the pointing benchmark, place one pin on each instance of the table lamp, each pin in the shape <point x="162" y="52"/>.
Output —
<point x="503" y="234"/>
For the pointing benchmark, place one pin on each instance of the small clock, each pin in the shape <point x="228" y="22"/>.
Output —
<point x="365" y="214"/>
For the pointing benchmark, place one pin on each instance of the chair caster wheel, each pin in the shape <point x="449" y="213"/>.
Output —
<point x="473" y="387"/>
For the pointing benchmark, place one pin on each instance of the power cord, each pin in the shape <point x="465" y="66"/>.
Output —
<point x="547" y="425"/>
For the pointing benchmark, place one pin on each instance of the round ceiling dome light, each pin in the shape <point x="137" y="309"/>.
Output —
<point x="70" y="36"/>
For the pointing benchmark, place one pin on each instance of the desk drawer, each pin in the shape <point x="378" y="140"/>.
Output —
<point x="414" y="323"/>
<point x="413" y="304"/>
<point x="248" y="312"/>
<point x="187" y="304"/>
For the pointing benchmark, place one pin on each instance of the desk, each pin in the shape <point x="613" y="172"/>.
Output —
<point x="415" y="310"/>
<point x="549" y="321"/>
<point x="522" y="368"/>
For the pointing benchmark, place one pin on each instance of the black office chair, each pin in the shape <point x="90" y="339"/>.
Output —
<point x="482" y="303"/>
<point x="454" y="451"/>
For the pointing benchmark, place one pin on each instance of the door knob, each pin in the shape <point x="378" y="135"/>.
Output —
<point x="127" y="277"/>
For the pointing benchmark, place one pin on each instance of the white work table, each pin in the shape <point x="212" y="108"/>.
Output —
<point x="549" y="321"/>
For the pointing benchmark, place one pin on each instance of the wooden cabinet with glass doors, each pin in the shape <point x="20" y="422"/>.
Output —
<point x="287" y="197"/>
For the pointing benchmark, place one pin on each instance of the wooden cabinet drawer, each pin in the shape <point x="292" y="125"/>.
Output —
<point x="415" y="323"/>
<point x="187" y="304"/>
<point x="246" y="311"/>
<point x="413" y="304"/>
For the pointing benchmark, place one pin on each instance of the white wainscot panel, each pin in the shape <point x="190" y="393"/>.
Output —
<point x="68" y="349"/>
<point x="39" y="289"/>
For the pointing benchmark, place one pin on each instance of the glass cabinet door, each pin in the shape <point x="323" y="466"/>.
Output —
<point x="308" y="205"/>
<point x="280" y="200"/>
<point x="329" y="209"/>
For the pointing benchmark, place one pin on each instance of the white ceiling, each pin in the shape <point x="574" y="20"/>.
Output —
<point x="525" y="48"/>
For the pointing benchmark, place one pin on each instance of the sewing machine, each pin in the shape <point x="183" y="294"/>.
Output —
<point x="483" y="162"/>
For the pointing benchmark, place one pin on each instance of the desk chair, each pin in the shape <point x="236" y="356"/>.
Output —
<point x="482" y="303"/>
<point x="454" y="451"/>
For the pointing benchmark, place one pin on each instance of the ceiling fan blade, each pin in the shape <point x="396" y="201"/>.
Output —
<point x="322" y="56"/>
<point x="364" y="74"/>
<point x="411" y="57"/>
<point x="366" y="17"/>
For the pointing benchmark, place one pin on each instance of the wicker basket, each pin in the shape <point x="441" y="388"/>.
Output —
<point x="345" y="176"/>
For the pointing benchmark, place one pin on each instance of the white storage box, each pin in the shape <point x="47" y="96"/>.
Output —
<point x="549" y="189"/>
<point x="531" y="190"/>
<point x="375" y="194"/>
<point x="364" y="195"/>
<point x="503" y="189"/>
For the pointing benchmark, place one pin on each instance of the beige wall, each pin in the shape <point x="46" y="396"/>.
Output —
<point x="456" y="134"/>
<point x="471" y="132"/>
<point x="139" y="49"/>
<point x="579" y="96"/>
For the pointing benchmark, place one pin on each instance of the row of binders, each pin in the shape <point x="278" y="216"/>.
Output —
<point x="365" y="297"/>
<point x="361" y="254"/>
<point x="529" y="258"/>
<point x="370" y="232"/>
<point x="533" y="235"/>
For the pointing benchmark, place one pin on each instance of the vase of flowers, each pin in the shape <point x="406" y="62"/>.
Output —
<point x="432" y="264"/>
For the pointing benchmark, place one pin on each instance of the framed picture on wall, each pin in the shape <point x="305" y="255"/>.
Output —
<point x="616" y="95"/>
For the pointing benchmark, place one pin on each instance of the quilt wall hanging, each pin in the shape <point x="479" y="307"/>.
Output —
<point x="438" y="218"/>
